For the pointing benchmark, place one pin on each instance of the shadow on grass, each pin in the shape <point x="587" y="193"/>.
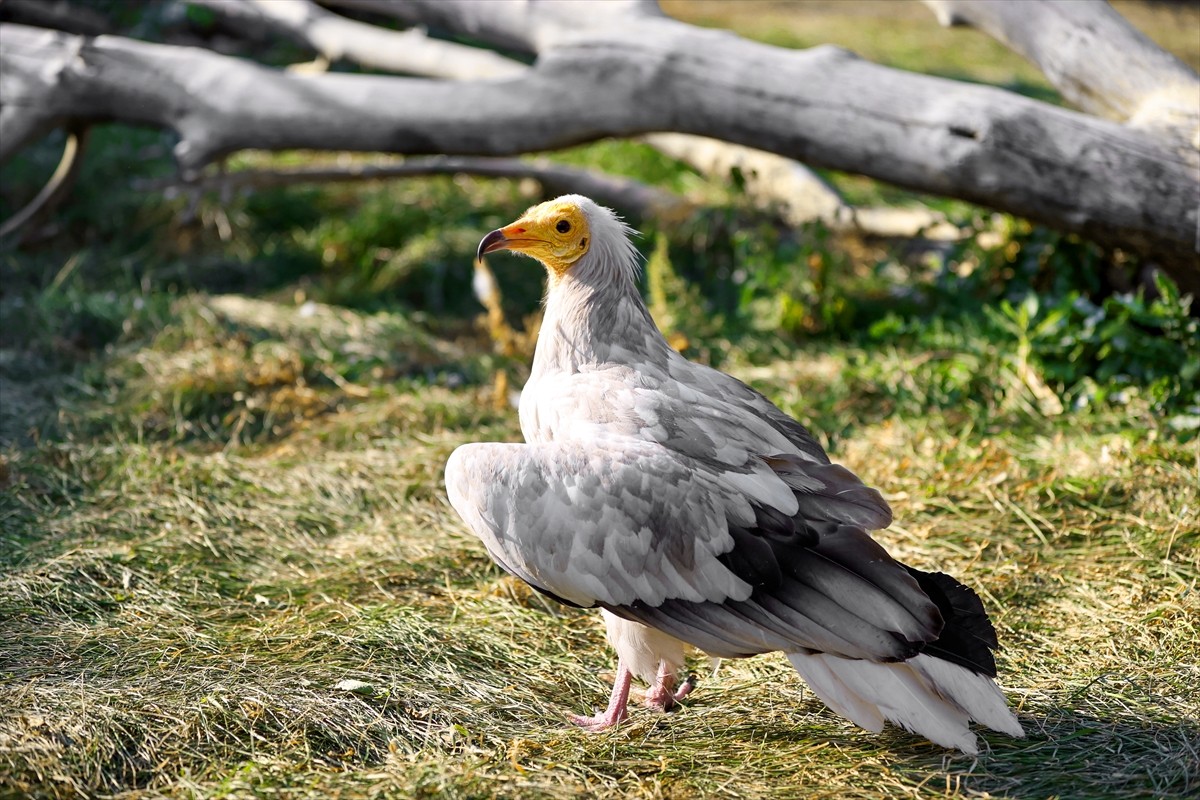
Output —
<point x="1072" y="754"/>
<point x="1064" y="754"/>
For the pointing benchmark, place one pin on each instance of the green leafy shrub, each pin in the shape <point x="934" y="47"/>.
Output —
<point x="1085" y="353"/>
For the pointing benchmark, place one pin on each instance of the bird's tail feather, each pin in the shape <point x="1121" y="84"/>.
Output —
<point x="926" y="695"/>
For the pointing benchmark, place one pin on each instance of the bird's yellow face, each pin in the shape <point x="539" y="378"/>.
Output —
<point x="555" y="233"/>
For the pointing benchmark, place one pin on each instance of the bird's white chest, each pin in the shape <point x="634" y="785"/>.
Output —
<point x="551" y="407"/>
<point x="530" y="413"/>
<point x="561" y="406"/>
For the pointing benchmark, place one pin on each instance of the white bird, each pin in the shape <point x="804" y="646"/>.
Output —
<point x="696" y="514"/>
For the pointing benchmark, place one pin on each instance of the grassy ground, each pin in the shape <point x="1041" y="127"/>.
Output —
<point x="200" y="556"/>
<point x="227" y="567"/>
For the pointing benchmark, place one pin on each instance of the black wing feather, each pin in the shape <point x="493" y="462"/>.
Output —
<point x="830" y="588"/>
<point x="806" y="595"/>
<point x="968" y="637"/>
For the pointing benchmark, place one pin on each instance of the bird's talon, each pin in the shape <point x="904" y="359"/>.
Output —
<point x="687" y="688"/>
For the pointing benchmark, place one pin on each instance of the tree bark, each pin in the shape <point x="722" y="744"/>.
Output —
<point x="1098" y="61"/>
<point x="622" y="69"/>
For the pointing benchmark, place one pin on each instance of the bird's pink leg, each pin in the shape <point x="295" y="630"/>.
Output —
<point x="618" y="704"/>
<point x="662" y="695"/>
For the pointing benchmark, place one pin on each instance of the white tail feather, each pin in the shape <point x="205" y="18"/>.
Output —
<point x="975" y="694"/>
<point x="925" y="695"/>
<point x="905" y="699"/>
<point x="827" y="686"/>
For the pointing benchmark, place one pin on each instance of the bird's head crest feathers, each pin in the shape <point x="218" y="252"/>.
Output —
<point x="566" y="233"/>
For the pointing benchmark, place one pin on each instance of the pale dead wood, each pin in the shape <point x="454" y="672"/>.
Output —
<point x="335" y="37"/>
<point x="1092" y="55"/>
<point x="527" y="26"/>
<point x="621" y="69"/>
<point x="796" y="191"/>
<point x="56" y="188"/>
<point x="903" y="223"/>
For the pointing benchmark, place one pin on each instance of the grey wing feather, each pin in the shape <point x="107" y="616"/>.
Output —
<point x="598" y="525"/>
<point x="840" y="594"/>
<point x="826" y="491"/>
<point x="733" y="391"/>
<point x="719" y="415"/>
<point x="655" y="537"/>
<point x="831" y="492"/>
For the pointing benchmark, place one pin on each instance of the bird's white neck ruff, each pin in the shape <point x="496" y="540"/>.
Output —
<point x="596" y="303"/>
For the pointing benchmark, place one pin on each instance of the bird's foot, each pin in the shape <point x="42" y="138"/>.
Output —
<point x="600" y="722"/>
<point x="687" y="687"/>
<point x="662" y="697"/>
<point x="659" y="699"/>
<point x="618" y="704"/>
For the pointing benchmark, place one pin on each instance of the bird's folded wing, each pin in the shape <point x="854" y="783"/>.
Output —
<point x="661" y="538"/>
<point x="733" y="393"/>
<point x="607" y="523"/>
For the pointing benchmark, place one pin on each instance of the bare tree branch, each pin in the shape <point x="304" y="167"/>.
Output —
<point x="336" y="37"/>
<point x="620" y="70"/>
<point x="795" y="192"/>
<point x="624" y="194"/>
<point x="527" y="26"/>
<point x="768" y="178"/>
<point x="1092" y="55"/>
<point x="56" y="188"/>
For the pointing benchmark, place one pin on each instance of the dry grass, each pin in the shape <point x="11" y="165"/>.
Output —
<point x="183" y="607"/>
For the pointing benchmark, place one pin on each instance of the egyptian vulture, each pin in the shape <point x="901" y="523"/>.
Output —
<point x="695" y="514"/>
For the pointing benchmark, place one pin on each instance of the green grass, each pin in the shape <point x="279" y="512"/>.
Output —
<point x="228" y="568"/>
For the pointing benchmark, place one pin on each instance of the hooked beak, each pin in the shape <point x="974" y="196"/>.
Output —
<point x="496" y="240"/>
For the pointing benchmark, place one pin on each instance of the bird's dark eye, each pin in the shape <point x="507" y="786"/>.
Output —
<point x="563" y="226"/>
